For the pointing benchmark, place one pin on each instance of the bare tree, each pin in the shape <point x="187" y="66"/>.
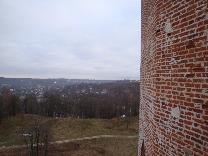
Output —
<point x="36" y="137"/>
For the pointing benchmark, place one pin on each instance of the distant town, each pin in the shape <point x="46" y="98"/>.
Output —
<point x="72" y="97"/>
<point x="36" y="114"/>
<point x="27" y="86"/>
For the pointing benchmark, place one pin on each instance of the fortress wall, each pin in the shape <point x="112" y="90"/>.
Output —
<point x="173" y="117"/>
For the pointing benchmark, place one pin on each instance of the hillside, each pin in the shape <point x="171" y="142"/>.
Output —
<point x="69" y="128"/>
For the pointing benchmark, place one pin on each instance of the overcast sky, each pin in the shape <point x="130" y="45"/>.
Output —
<point x="95" y="39"/>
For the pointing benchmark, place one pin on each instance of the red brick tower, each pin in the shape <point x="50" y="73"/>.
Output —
<point x="174" y="78"/>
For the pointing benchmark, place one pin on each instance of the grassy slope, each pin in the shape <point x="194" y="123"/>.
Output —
<point x="97" y="147"/>
<point x="66" y="128"/>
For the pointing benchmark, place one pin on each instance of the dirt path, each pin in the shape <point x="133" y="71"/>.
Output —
<point x="73" y="140"/>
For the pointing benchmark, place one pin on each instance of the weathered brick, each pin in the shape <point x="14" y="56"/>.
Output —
<point x="175" y="74"/>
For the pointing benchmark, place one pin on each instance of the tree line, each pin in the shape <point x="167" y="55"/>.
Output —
<point x="80" y="101"/>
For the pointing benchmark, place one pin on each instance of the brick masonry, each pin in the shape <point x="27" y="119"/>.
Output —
<point x="173" y="117"/>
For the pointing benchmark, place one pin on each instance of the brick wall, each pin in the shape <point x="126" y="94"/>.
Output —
<point x="173" y="117"/>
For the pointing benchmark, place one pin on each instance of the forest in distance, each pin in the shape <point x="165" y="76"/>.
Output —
<point x="96" y="99"/>
<point x="55" y="116"/>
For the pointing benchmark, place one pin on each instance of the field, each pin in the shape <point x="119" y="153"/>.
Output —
<point x="69" y="128"/>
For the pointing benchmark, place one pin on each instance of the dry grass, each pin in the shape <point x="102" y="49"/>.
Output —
<point x="63" y="128"/>
<point x="69" y="128"/>
<point x="97" y="147"/>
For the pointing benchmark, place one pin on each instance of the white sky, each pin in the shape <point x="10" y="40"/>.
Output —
<point x="95" y="39"/>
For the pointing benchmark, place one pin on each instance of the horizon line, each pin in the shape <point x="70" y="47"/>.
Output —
<point x="91" y="79"/>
